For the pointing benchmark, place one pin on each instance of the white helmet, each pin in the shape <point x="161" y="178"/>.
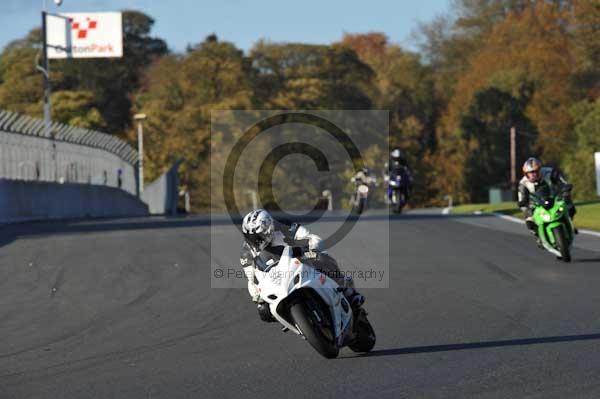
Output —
<point x="396" y="153"/>
<point x="258" y="229"/>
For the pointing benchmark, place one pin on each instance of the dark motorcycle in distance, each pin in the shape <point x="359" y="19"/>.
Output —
<point x="397" y="191"/>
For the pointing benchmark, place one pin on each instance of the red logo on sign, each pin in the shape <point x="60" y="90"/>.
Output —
<point x="81" y="28"/>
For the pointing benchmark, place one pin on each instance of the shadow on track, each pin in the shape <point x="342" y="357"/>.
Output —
<point x="482" y="345"/>
<point x="587" y="260"/>
<point x="12" y="232"/>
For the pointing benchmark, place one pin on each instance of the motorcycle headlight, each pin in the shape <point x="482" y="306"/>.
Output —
<point x="363" y="189"/>
<point x="561" y="209"/>
<point x="546" y="217"/>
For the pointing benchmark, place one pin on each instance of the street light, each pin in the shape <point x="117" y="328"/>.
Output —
<point x="140" y="118"/>
<point x="45" y="68"/>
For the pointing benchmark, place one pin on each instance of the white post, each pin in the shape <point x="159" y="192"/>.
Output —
<point x="141" y="154"/>
<point x="513" y="161"/>
<point x="450" y="202"/>
<point x="597" y="158"/>
<point x="188" y="205"/>
<point x="140" y="120"/>
<point x="253" y="197"/>
<point x="327" y="194"/>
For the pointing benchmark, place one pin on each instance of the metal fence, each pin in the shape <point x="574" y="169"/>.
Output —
<point x="63" y="154"/>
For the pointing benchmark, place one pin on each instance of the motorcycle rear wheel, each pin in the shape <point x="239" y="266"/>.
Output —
<point x="365" y="335"/>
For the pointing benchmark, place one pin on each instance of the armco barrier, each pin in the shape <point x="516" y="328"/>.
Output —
<point x="53" y="173"/>
<point x="63" y="154"/>
<point x="26" y="201"/>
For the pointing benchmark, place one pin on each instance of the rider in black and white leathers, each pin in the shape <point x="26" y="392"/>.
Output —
<point x="535" y="176"/>
<point x="251" y="258"/>
<point x="398" y="165"/>
<point x="263" y="245"/>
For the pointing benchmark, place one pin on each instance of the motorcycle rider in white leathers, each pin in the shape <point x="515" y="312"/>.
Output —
<point x="264" y="239"/>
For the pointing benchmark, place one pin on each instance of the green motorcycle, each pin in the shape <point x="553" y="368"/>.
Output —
<point x="555" y="228"/>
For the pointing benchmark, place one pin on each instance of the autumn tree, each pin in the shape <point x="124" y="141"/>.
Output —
<point x="527" y="55"/>
<point x="301" y="76"/>
<point x="485" y="127"/>
<point x="178" y="94"/>
<point x="579" y="162"/>
<point x="405" y="86"/>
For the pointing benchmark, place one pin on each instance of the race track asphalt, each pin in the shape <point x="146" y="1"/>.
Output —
<point x="125" y="309"/>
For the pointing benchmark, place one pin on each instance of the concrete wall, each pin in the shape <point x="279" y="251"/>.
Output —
<point x="161" y="196"/>
<point x="35" y="158"/>
<point x="26" y="200"/>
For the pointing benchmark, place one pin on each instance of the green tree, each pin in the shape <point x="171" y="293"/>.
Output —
<point x="579" y="165"/>
<point x="178" y="94"/>
<point x="527" y="55"/>
<point x="20" y="83"/>
<point x="113" y="80"/>
<point x="586" y="40"/>
<point x="301" y="76"/>
<point x="406" y="87"/>
<point x="486" y="127"/>
<point x="77" y="108"/>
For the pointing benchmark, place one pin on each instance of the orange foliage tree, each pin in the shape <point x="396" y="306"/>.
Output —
<point x="529" y="56"/>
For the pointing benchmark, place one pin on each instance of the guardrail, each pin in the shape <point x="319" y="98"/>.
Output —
<point x="63" y="153"/>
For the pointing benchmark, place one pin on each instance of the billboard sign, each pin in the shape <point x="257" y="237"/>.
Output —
<point x="597" y="158"/>
<point x="84" y="35"/>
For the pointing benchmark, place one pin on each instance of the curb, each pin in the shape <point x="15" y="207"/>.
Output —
<point x="517" y="220"/>
<point x="513" y="219"/>
<point x="521" y="221"/>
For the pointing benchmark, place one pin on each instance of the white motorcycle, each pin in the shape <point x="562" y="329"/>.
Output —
<point x="312" y="305"/>
<point x="360" y="197"/>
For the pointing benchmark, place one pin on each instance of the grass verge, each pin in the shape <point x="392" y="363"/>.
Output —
<point x="587" y="217"/>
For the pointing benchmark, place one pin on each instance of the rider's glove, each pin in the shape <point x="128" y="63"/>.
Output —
<point x="256" y="297"/>
<point x="264" y="312"/>
<point x="311" y="254"/>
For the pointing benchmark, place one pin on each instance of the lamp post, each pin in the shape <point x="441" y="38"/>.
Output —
<point x="45" y="68"/>
<point x="140" y="118"/>
<point x="45" y="72"/>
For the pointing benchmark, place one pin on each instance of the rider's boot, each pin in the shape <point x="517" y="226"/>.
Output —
<point x="538" y="241"/>
<point x="354" y="297"/>
<point x="533" y="231"/>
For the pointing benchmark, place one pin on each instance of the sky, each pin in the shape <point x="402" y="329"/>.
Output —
<point x="244" y="22"/>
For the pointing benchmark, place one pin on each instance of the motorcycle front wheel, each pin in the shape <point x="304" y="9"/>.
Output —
<point x="312" y="329"/>
<point x="362" y="203"/>
<point x="561" y="243"/>
<point x="398" y="204"/>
